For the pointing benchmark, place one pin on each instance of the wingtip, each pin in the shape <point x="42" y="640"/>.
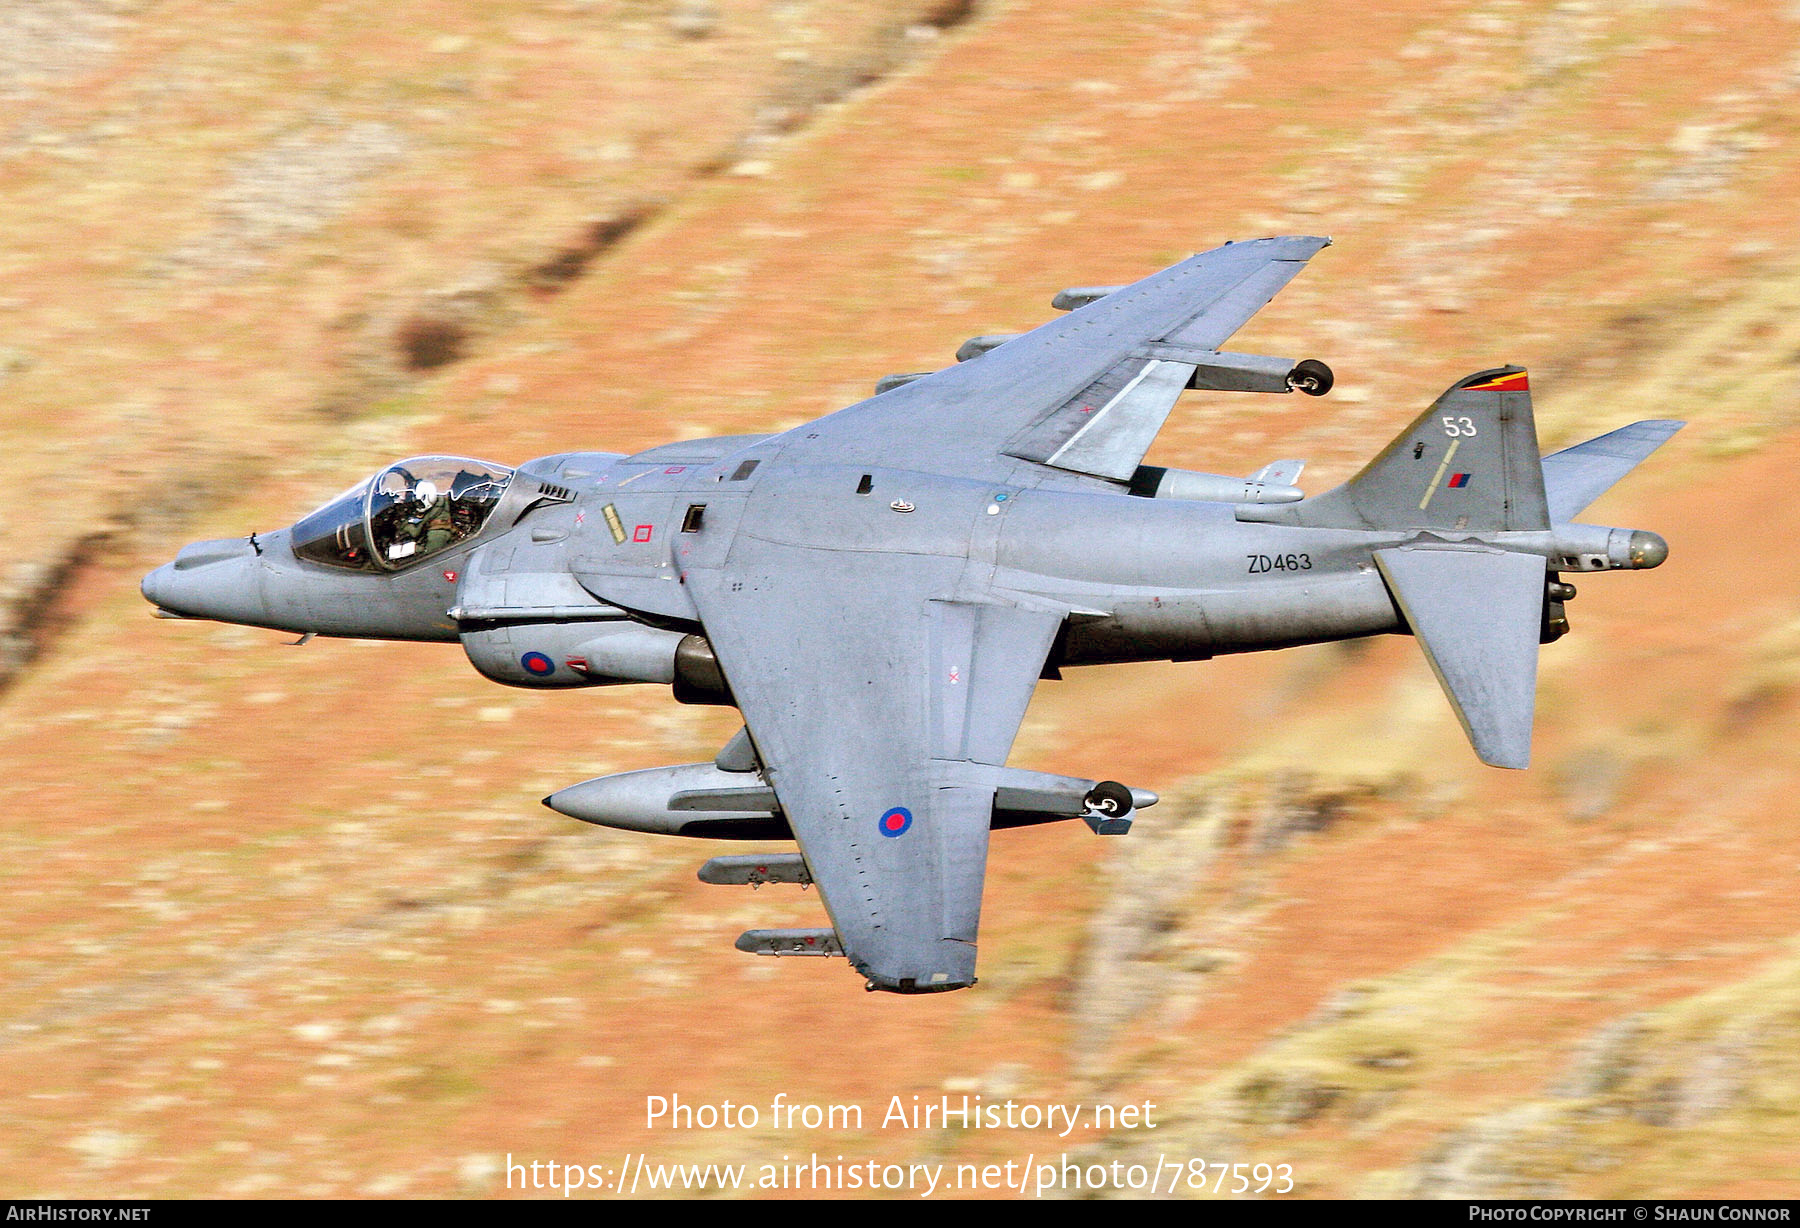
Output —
<point x="1297" y="248"/>
<point x="1321" y="240"/>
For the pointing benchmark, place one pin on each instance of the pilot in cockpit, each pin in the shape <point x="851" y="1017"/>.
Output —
<point x="427" y="521"/>
<point x="405" y="514"/>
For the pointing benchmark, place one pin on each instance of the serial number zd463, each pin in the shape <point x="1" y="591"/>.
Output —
<point x="1261" y="563"/>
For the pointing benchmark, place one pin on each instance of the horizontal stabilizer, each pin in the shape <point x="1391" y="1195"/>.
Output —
<point x="1478" y="615"/>
<point x="1575" y="477"/>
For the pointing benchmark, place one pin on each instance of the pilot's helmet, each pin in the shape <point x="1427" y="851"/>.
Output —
<point x="425" y="492"/>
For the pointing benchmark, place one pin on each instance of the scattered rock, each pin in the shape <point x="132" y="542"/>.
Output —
<point x="1604" y="1061"/>
<point x="1286" y="1098"/>
<point x="293" y="187"/>
<point x="428" y="342"/>
<point x="599" y="235"/>
<point x="477" y="1172"/>
<point x="105" y="1146"/>
<point x="694" y="18"/>
<point x="1512" y="1154"/>
<point x="1713" y="1081"/>
<point x="1590" y="781"/>
<point x="47" y="40"/>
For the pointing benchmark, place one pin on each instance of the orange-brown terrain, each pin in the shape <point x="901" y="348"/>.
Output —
<point x="290" y="921"/>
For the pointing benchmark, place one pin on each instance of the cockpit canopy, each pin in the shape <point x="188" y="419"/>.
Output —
<point x="404" y="514"/>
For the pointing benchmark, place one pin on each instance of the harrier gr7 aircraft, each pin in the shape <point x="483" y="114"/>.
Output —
<point x="879" y="591"/>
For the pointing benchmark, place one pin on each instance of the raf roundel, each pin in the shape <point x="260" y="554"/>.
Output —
<point x="538" y="664"/>
<point x="896" y="822"/>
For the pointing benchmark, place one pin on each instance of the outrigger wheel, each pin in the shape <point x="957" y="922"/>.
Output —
<point x="1109" y="798"/>
<point x="1311" y="376"/>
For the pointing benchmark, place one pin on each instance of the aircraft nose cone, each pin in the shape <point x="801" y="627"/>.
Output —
<point x="156" y="585"/>
<point x="208" y="580"/>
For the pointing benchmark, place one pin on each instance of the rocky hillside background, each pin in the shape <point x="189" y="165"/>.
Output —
<point x="285" y="921"/>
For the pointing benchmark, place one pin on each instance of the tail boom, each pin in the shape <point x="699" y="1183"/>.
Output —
<point x="1469" y="528"/>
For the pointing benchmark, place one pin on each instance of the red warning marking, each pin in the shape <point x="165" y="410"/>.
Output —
<point x="676" y="469"/>
<point x="450" y="576"/>
<point x="1518" y="381"/>
<point x="642" y="533"/>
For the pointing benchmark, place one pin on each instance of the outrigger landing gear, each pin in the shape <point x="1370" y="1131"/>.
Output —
<point x="1109" y="808"/>
<point x="1312" y="377"/>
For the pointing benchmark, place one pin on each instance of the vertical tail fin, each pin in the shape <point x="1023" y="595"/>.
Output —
<point x="1469" y="463"/>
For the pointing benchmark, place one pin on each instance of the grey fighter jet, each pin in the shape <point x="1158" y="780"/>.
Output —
<point x="879" y="591"/>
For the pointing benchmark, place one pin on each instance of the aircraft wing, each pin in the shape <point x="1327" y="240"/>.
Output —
<point x="1085" y="393"/>
<point x="880" y="680"/>
<point x="883" y="712"/>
